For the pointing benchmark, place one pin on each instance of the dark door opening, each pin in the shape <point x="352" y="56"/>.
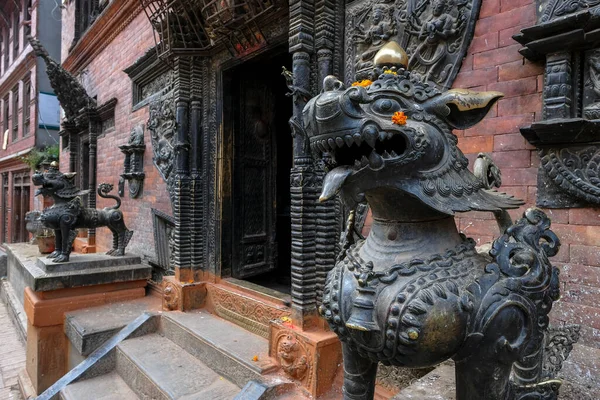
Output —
<point x="256" y="113"/>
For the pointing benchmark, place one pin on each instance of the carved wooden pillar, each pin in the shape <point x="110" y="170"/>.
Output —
<point x="304" y="181"/>
<point x="196" y="189"/>
<point x="327" y="230"/>
<point x="93" y="127"/>
<point x="180" y="185"/>
<point x="557" y="86"/>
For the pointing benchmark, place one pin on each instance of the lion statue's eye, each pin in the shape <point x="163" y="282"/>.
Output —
<point x="386" y="106"/>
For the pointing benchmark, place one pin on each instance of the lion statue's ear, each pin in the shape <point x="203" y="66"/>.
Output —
<point x="70" y="175"/>
<point x="462" y="108"/>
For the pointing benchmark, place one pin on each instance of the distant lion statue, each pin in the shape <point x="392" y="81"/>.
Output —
<point x="68" y="213"/>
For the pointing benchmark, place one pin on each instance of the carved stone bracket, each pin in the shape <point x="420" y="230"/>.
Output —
<point x="567" y="137"/>
<point x="134" y="163"/>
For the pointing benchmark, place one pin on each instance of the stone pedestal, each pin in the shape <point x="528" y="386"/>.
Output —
<point x="48" y="290"/>
<point x="309" y="357"/>
<point x="182" y="296"/>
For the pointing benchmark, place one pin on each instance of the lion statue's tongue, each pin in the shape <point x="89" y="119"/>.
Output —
<point x="333" y="182"/>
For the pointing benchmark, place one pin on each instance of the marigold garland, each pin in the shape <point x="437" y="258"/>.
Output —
<point x="399" y="118"/>
<point x="363" y="83"/>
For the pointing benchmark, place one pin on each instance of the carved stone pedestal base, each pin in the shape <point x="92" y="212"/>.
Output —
<point x="182" y="296"/>
<point x="311" y="358"/>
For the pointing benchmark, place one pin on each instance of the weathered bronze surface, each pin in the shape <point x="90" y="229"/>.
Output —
<point x="68" y="213"/>
<point x="415" y="292"/>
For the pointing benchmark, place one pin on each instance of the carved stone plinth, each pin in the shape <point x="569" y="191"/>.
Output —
<point x="182" y="296"/>
<point x="310" y="358"/>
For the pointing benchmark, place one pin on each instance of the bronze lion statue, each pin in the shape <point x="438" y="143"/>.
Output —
<point x="416" y="291"/>
<point x="68" y="213"/>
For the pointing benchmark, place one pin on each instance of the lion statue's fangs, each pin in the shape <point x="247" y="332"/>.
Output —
<point x="415" y="292"/>
<point x="68" y="213"/>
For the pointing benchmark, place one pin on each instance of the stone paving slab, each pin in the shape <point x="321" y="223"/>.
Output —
<point x="12" y="357"/>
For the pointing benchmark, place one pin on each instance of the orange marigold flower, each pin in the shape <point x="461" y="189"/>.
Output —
<point x="389" y="71"/>
<point x="399" y="118"/>
<point x="363" y="83"/>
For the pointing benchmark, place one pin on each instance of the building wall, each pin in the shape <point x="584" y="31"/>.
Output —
<point x="103" y="77"/>
<point x="17" y="68"/>
<point x="493" y="63"/>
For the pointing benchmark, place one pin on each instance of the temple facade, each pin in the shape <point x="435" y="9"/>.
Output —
<point x="193" y="110"/>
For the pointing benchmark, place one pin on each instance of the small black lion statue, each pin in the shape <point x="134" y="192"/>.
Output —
<point x="68" y="213"/>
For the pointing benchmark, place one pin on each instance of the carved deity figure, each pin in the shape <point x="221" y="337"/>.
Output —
<point x="290" y="357"/>
<point x="434" y="36"/>
<point x="371" y="39"/>
<point x="416" y="291"/>
<point x="592" y="111"/>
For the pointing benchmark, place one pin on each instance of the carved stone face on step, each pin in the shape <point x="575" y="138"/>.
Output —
<point x="395" y="132"/>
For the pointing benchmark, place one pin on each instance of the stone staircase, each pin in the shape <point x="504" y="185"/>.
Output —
<point x="172" y="355"/>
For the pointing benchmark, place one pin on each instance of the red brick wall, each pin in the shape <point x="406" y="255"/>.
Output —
<point x="104" y="77"/>
<point x="493" y="63"/>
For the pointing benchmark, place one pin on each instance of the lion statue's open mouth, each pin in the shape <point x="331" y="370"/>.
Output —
<point x="396" y="132"/>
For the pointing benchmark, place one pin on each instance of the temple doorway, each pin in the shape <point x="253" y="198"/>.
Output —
<point x="256" y="112"/>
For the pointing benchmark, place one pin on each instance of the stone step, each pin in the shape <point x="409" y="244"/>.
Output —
<point x="88" y="328"/>
<point x="104" y="387"/>
<point x="230" y="350"/>
<point x="156" y="368"/>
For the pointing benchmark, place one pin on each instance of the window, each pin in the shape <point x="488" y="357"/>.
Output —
<point x="6" y="114"/>
<point x="84" y="17"/>
<point x="28" y="18"/>
<point x="5" y="48"/>
<point x="16" y="32"/>
<point x="15" y="113"/>
<point x="26" y="106"/>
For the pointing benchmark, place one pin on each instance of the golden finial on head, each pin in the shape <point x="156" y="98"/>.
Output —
<point x="54" y="164"/>
<point x="391" y="55"/>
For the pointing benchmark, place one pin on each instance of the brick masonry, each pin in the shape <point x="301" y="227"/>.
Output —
<point x="493" y="63"/>
<point x="104" y="77"/>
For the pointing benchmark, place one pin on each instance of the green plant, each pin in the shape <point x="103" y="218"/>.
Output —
<point x="36" y="157"/>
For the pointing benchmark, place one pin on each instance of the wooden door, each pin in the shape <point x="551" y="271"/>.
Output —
<point x="254" y="208"/>
<point x="21" y="198"/>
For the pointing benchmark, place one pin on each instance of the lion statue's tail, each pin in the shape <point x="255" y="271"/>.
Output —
<point x="104" y="189"/>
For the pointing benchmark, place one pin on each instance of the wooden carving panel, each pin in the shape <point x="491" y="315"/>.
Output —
<point x="434" y="33"/>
